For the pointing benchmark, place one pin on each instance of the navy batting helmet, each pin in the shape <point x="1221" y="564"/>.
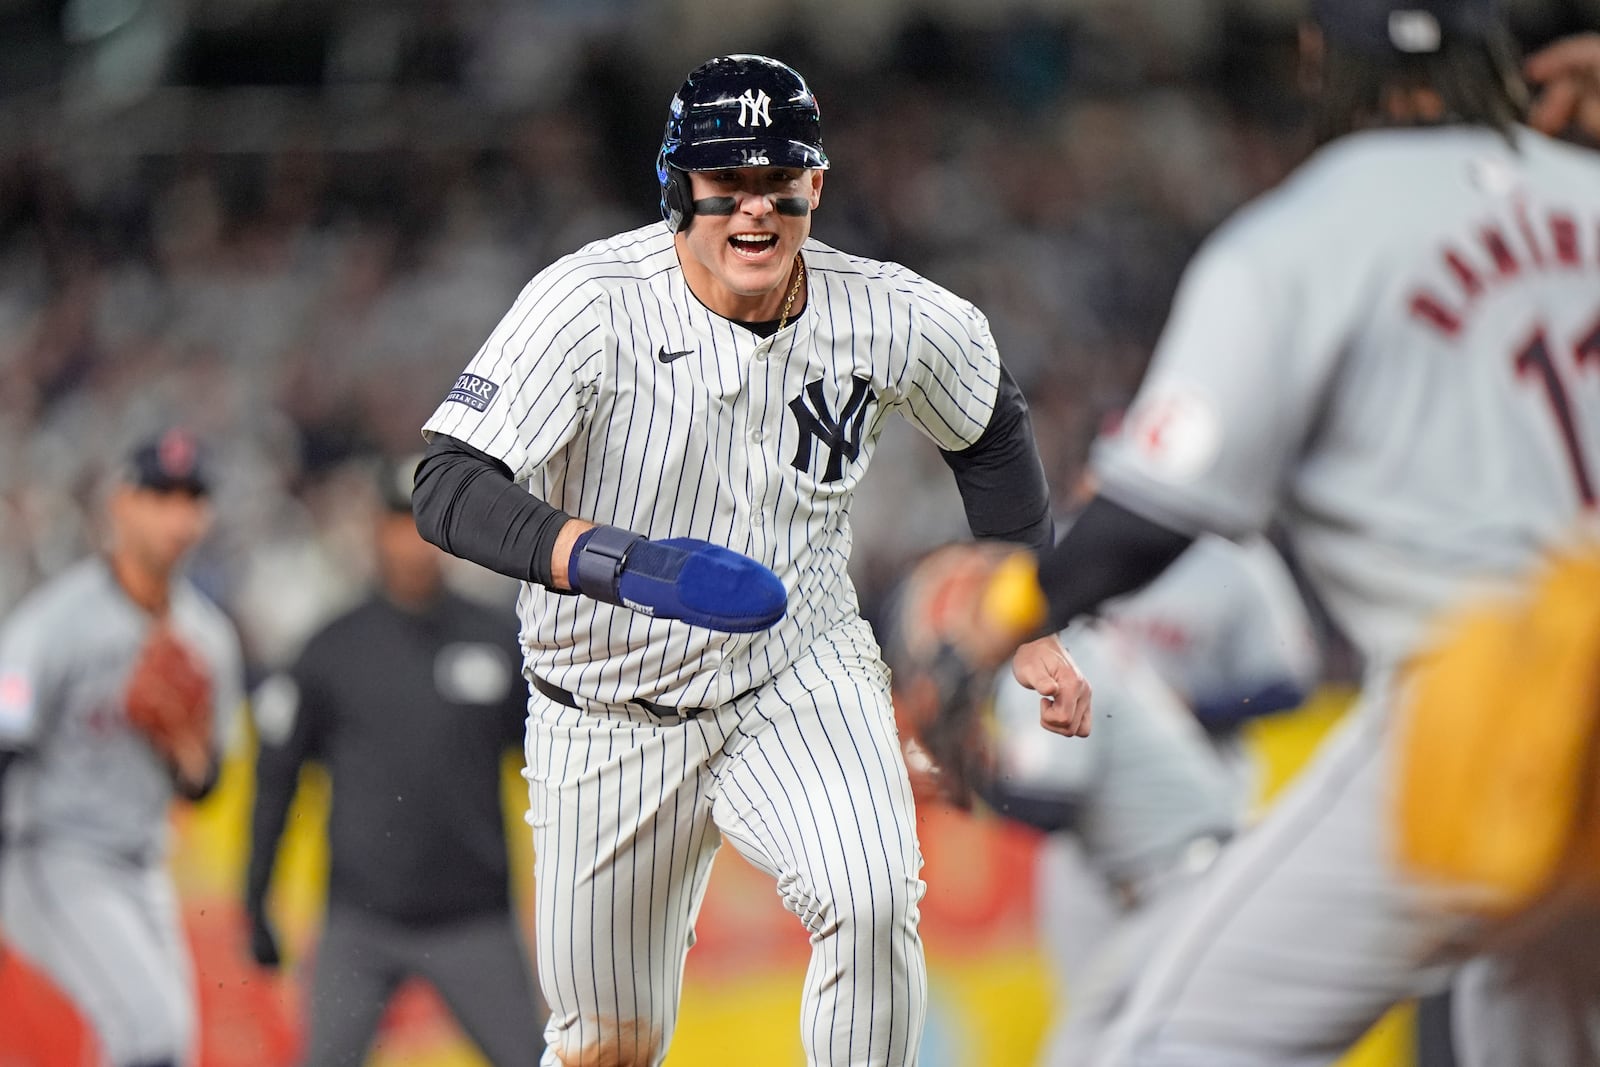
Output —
<point x="736" y="111"/>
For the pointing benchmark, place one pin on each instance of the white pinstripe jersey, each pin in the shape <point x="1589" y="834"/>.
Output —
<point x="611" y="392"/>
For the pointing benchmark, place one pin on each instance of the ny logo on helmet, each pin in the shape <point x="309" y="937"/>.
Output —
<point x="753" y="108"/>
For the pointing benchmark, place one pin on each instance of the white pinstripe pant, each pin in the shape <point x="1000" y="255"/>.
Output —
<point x="805" y="778"/>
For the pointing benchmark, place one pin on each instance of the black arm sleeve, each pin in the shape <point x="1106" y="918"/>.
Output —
<point x="1001" y="477"/>
<point x="1108" y="551"/>
<point x="466" y="503"/>
<point x="277" y="778"/>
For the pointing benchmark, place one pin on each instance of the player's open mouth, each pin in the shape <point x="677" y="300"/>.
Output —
<point x="753" y="245"/>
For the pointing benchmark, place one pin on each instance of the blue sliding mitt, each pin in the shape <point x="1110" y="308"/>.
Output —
<point x="679" y="578"/>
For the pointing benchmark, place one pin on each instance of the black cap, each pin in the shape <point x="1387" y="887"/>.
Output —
<point x="1410" y="27"/>
<point x="171" y="462"/>
<point x="395" y="479"/>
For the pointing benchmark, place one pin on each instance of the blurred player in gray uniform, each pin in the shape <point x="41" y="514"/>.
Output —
<point x="1396" y="353"/>
<point x="1226" y="627"/>
<point x="84" y="889"/>
<point x="1140" y="808"/>
<point x="721" y="380"/>
<point x="1134" y="813"/>
<point x="410" y="700"/>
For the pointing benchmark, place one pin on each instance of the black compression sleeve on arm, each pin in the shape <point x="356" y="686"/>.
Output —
<point x="466" y="503"/>
<point x="1108" y="551"/>
<point x="1001" y="477"/>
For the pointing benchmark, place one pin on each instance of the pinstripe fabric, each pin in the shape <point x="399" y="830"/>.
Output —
<point x="766" y="773"/>
<point x="756" y="444"/>
<point x="590" y="419"/>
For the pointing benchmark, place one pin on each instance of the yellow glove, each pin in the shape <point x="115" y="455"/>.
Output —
<point x="1499" y="787"/>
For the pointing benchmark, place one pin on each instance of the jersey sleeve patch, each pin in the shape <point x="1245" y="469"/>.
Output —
<point x="16" y="704"/>
<point x="1175" y="430"/>
<point x="475" y="392"/>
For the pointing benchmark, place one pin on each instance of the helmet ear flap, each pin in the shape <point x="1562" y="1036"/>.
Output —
<point x="677" y="201"/>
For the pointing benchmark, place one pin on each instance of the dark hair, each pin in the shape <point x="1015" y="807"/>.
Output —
<point x="1478" y="79"/>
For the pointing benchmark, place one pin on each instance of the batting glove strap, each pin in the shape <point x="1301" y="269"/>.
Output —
<point x="681" y="578"/>
<point x="598" y="558"/>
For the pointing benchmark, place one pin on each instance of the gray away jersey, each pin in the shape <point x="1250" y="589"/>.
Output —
<point x="615" y="395"/>
<point x="1399" y="350"/>
<point x="66" y="653"/>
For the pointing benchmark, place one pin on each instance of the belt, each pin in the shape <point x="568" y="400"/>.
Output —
<point x="660" y="711"/>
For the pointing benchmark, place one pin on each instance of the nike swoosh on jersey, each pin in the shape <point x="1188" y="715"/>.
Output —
<point x="667" y="357"/>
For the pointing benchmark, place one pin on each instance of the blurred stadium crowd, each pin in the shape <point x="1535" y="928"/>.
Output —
<point x="288" y="223"/>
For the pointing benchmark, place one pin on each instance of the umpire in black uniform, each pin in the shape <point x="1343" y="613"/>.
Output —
<point x="410" y="701"/>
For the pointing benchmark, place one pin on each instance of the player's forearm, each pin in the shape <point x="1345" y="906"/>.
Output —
<point x="466" y="503"/>
<point x="195" y="774"/>
<point x="1107" y="552"/>
<point x="1001" y="477"/>
<point x="274" y="794"/>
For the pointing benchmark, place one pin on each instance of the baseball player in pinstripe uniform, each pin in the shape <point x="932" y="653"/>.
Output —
<point x="1396" y="352"/>
<point x="720" y="379"/>
<point x="84" y="889"/>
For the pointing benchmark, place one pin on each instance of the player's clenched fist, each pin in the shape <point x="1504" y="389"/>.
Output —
<point x="1064" y="695"/>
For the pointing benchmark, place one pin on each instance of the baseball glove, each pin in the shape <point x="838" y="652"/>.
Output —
<point x="943" y="644"/>
<point x="168" y="700"/>
<point x="1499" y="787"/>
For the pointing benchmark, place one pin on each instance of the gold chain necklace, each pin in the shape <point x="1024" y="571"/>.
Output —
<point x="794" y="290"/>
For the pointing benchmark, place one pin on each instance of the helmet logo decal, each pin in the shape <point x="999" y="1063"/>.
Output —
<point x="753" y="108"/>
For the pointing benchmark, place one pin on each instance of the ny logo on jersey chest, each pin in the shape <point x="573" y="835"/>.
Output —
<point x="841" y="436"/>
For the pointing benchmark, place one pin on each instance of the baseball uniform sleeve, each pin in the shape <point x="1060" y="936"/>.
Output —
<point x="285" y="710"/>
<point x="953" y="374"/>
<point x="1001" y="477"/>
<point x="25" y="679"/>
<point x="528" y="389"/>
<point x="1221" y="416"/>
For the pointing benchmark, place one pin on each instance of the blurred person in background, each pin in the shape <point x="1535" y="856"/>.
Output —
<point x="411" y="701"/>
<point x="1390" y="353"/>
<point x="1135" y="813"/>
<point x="84" y="887"/>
